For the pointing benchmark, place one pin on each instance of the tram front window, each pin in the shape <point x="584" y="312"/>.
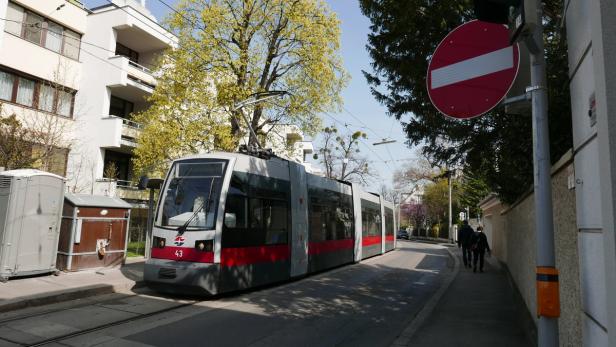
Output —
<point x="191" y="195"/>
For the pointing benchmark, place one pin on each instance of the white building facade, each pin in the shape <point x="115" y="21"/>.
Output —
<point x="592" y="51"/>
<point x="123" y="42"/>
<point x="88" y="71"/>
<point x="41" y="70"/>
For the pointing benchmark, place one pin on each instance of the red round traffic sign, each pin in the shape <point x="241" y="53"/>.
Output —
<point x="472" y="69"/>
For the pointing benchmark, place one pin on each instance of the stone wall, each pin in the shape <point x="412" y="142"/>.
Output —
<point x="513" y="240"/>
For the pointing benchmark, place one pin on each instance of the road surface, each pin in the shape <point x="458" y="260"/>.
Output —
<point x="365" y="304"/>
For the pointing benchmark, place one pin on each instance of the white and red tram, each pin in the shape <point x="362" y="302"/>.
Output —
<point x="230" y="221"/>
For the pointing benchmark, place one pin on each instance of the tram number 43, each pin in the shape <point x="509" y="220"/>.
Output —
<point x="179" y="253"/>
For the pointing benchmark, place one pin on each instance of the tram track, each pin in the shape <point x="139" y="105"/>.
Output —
<point x="93" y="329"/>
<point x="56" y="310"/>
<point x="46" y="341"/>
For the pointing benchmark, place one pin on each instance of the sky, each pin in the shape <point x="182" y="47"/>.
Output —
<point x="361" y="111"/>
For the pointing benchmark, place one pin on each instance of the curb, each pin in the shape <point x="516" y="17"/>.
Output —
<point x="405" y="338"/>
<point x="66" y="295"/>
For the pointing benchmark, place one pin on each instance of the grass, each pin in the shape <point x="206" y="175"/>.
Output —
<point x="135" y="249"/>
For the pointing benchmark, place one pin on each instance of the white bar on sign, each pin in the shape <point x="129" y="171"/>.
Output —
<point x="471" y="68"/>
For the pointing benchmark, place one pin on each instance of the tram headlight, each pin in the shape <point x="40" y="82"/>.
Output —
<point x="159" y="242"/>
<point x="204" y="245"/>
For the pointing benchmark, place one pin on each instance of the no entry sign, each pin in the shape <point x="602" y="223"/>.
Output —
<point x="472" y="69"/>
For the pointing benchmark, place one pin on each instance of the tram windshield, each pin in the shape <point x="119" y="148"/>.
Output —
<point x="192" y="193"/>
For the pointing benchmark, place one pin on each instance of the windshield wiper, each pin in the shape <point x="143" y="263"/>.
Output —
<point x="181" y="229"/>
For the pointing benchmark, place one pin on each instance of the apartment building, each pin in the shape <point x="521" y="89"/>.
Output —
<point x="287" y="141"/>
<point x="40" y="72"/>
<point x="123" y="42"/>
<point x="86" y="72"/>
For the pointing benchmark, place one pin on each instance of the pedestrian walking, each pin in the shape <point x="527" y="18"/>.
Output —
<point x="479" y="245"/>
<point x="465" y="235"/>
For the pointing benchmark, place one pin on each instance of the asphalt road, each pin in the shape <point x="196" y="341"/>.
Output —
<point x="366" y="304"/>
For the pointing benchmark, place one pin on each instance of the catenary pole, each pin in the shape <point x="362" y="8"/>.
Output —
<point x="544" y="228"/>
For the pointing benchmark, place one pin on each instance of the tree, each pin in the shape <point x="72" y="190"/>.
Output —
<point x="415" y="214"/>
<point x="339" y="155"/>
<point x="413" y="176"/>
<point x="15" y="144"/>
<point x="472" y="190"/>
<point x="497" y="145"/>
<point x="229" y="50"/>
<point x="389" y="194"/>
<point x="436" y="201"/>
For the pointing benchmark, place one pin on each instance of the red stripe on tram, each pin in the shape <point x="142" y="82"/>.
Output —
<point x="253" y="255"/>
<point x="182" y="254"/>
<point x="330" y="246"/>
<point x="389" y="238"/>
<point x="371" y="240"/>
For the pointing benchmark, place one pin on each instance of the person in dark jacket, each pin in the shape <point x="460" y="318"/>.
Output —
<point x="479" y="245"/>
<point x="464" y="240"/>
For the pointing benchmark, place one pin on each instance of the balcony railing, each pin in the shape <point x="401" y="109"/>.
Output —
<point x="140" y="82"/>
<point x="131" y="124"/>
<point x="140" y="67"/>
<point x="121" y="184"/>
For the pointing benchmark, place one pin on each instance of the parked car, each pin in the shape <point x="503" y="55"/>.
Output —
<point x="403" y="234"/>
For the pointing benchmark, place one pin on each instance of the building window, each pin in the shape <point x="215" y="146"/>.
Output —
<point x="120" y="107"/>
<point x="6" y="86"/>
<point x="33" y="28"/>
<point x="25" y="92"/>
<point x="41" y="95"/>
<point x="53" y="38"/>
<point x="118" y="166"/>
<point x="72" y="42"/>
<point x="38" y="30"/>
<point x="65" y="103"/>
<point x="14" y="19"/>
<point x="127" y="52"/>
<point x="55" y="158"/>
<point x="46" y="97"/>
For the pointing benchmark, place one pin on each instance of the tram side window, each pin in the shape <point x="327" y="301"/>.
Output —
<point x="371" y="218"/>
<point x="255" y="215"/>
<point x="275" y="217"/>
<point x="318" y="227"/>
<point x="330" y="214"/>
<point x="389" y="221"/>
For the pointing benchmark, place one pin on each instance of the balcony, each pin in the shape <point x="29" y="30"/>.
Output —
<point x="306" y="147"/>
<point x="131" y="81"/>
<point x="126" y="190"/>
<point x="119" y="132"/>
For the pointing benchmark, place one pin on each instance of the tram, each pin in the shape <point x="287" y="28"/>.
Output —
<point x="232" y="221"/>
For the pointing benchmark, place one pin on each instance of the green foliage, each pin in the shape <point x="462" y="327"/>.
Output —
<point x="473" y="189"/>
<point x="15" y="144"/>
<point x="229" y="50"/>
<point x="436" y="200"/>
<point x="497" y="145"/>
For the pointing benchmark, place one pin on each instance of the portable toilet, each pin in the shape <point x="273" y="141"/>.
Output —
<point x="30" y="212"/>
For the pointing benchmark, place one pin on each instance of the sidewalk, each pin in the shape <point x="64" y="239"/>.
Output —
<point x="477" y="309"/>
<point x="20" y="293"/>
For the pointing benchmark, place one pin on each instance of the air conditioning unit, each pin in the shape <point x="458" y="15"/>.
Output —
<point x="30" y="210"/>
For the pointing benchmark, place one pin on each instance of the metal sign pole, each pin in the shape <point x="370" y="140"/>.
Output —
<point x="150" y="225"/>
<point x="450" y="234"/>
<point x="544" y="228"/>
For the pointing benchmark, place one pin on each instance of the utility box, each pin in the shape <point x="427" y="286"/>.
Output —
<point x="94" y="232"/>
<point x="30" y="211"/>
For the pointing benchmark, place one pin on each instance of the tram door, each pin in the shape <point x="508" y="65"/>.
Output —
<point x="299" y="220"/>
